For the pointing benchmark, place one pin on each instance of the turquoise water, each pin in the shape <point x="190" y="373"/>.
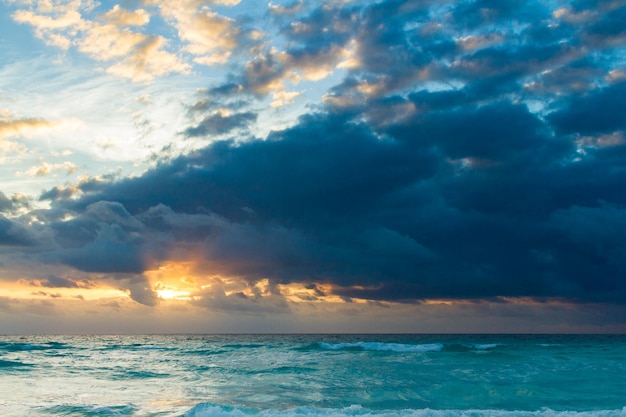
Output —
<point x="313" y="375"/>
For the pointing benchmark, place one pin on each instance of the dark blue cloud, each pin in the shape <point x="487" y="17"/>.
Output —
<point x="593" y="113"/>
<point x="13" y="203"/>
<point x="493" y="132"/>
<point x="472" y="13"/>
<point x="608" y="31"/>
<point x="13" y="233"/>
<point x="219" y="124"/>
<point x="322" y="27"/>
<point x="330" y="201"/>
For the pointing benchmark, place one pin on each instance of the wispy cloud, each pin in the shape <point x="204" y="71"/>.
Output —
<point x="44" y="169"/>
<point x="11" y="127"/>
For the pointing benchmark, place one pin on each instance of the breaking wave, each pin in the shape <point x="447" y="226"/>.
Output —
<point x="383" y="347"/>
<point x="212" y="410"/>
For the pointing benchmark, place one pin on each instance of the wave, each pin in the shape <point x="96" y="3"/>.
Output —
<point x="483" y="346"/>
<point x="12" y="364"/>
<point x="212" y="410"/>
<point x="244" y="346"/>
<point x="137" y="374"/>
<point x="92" y="410"/>
<point x="20" y="347"/>
<point x="383" y="347"/>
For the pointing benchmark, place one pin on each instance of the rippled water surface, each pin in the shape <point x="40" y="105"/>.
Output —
<point x="313" y="375"/>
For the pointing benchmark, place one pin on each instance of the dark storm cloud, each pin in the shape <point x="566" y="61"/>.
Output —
<point x="394" y="54"/>
<point x="512" y="63"/>
<point x="13" y="233"/>
<point x="477" y="152"/>
<point x="324" y="163"/>
<point x="608" y="30"/>
<point x="57" y="193"/>
<point x="380" y="214"/>
<point x="13" y="203"/>
<point x="140" y="290"/>
<point x="574" y="78"/>
<point x="218" y="124"/>
<point x="593" y="113"/>
<point x="102" y="238"/>
<point x="323" y="26"/>
<point x="492" y="132"/>
<point x="480" y="12"/>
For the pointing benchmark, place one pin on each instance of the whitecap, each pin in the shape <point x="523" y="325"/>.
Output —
<point x="384" y="347"/>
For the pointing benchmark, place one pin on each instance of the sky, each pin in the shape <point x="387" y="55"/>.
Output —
<point x="198" y="166"/>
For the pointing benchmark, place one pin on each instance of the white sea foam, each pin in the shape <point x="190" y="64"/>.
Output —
<point x="211" y="410"/>
<point x="384" y="347"/>
<point x="484" y="346"/>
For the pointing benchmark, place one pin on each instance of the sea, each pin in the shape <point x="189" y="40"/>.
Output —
<point x="314" y="375"/>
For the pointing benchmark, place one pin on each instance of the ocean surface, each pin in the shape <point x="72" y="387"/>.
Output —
<point x="314" y="376"/>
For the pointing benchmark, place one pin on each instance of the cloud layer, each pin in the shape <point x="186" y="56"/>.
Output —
<point x="467" y="150"/>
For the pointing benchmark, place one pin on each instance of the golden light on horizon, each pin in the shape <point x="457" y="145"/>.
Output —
<point x="173" y="294"/>
<point x="32" y="289"/>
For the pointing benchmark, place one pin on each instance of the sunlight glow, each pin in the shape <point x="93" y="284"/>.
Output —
<point x="169" y="294"/>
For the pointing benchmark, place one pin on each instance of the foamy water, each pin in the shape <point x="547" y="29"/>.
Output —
<point x="313" y="375"/>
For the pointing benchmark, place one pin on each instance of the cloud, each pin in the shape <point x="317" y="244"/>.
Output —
<point x="576" y="77"/>
<point x="595" y="236"/>
<point x="220" y="123"/>
<point x="15" y="203"/>
<point x="10" y="127"/>
<point x="140" y="290"/>
<point x="284" y="98"/>
<point x="259" y="299"/>
<point x="480" y="12"/>
<point x="62" y="18"/>
<point x="58" y="192"/>
<point x="607" y="31"/>
<point x="443" y="203"/>
<point x="133" y="55"/>
<point x="210" y="37"/>
<point x="5" y="203"/>
<point x="207" y="32"/>
<point x="107" y="42"/>
<point x="14" y="234"/>
<point x="318" y="44"/>
<point x="122" y="17"/>
<point x="592" y="113"/>
<point x="53" y="281"/>
<point x="147" y="61"/>
<point x="103" y="238"/>
<point x="280" y="10"/>
<point x="47" y="169"/>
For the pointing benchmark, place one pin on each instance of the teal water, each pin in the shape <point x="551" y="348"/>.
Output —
<point x="314" y="375"/>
